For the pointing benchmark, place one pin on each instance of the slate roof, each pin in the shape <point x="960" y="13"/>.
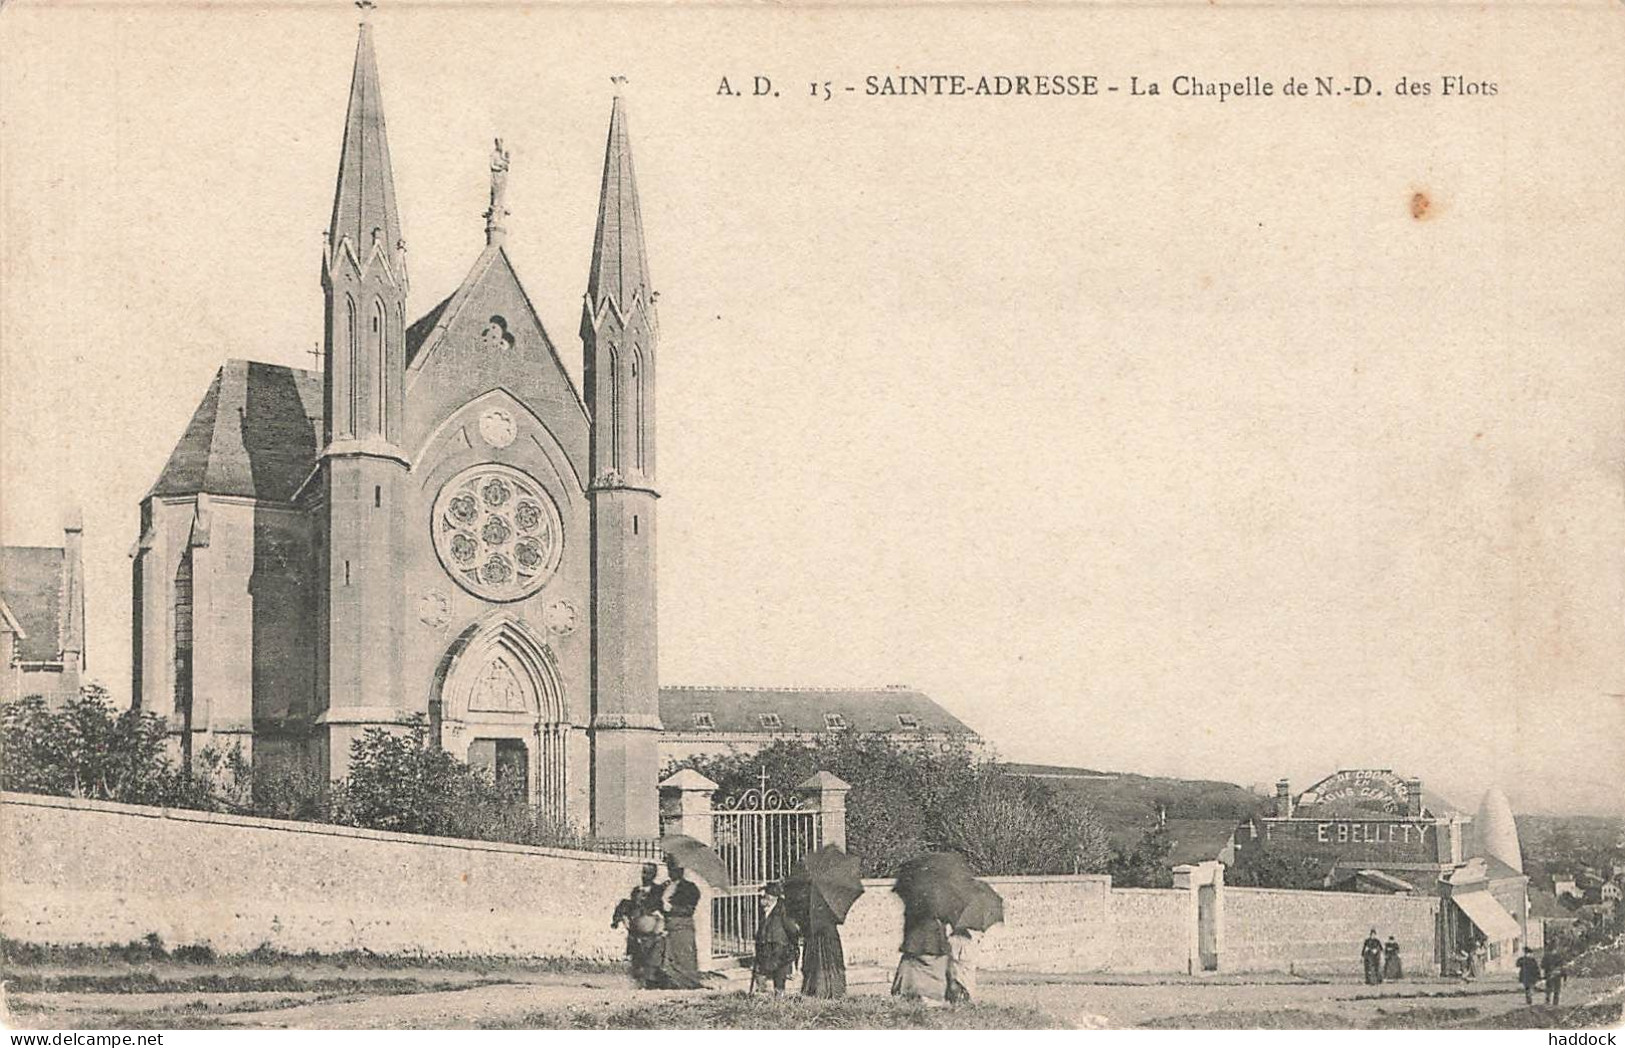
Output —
<point x="866" y="710"/>
<point x="1198" y="840"/>
<point x="31" y="586"/>
<point x="256" y="433"/>
<point x="423" y="327"/>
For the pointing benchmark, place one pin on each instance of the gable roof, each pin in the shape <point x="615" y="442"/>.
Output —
<point x="866" y="710"/>
<point x="1198" y="840"/>
<point x="31" y="588"/>
<point x="256" y="433"/>
<point x="429" y="330"/>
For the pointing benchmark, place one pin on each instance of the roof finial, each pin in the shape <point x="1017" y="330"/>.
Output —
<point x="494" y="230"/>
<point x="364" y="6"/>
<point x="617" y="80"/>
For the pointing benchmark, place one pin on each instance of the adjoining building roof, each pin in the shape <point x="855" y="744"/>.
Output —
<point x="31" y="587"/>
<point x="1199" y="840"/>
<point x="256" y="433"/>
<point x="765" y="711"/>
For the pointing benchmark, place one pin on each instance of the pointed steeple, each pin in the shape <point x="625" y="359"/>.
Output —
<point x="364" y="202"/>
<point x="620" y="270"/>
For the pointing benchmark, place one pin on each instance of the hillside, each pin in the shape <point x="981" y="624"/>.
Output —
<point x="1128" y="804"/>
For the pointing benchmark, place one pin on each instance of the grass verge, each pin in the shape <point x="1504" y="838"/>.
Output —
<point x="743" y="1011"/>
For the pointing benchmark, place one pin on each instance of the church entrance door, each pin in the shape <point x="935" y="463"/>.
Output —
<point x="501" y="709"/>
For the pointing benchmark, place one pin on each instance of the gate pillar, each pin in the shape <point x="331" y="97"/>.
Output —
<point x="827" y="793"/>
<point x="685" y="805"/>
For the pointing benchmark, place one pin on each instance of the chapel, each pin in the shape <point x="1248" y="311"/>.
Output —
<point x="437" y="524"/>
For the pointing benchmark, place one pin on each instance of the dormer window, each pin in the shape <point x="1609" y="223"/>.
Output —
<point x="771" y="721"/>
<point x="704" y="722"/>
<point x="908" y="722"/>
<point x="834" y="722"/>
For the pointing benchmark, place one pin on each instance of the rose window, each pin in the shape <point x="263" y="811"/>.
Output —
<point x="497" y="532"/>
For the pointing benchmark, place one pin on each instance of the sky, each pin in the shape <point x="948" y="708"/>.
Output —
<point x="1155" y="435"/>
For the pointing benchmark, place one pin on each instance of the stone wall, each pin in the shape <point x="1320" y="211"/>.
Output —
<point x="104" y="874"/>
<point x="1050" y="924"/>
<point x="1155" y="930"/>
<point x="1268" y="929"/>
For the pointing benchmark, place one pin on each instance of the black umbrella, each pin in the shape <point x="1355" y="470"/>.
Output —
<point x="937" y="884"/>
<point x="983" y="911"/>
<point x="830" y="873"/>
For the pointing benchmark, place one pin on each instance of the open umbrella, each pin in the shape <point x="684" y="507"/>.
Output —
<point x="830" y="873"/>
<point x="983" y="911"/>
<point x="697" y="858"/>
<point x="937" y="884"/>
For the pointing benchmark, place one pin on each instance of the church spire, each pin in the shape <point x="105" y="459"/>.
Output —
<point x="620" y="270"/>
<point x="364" y="201"/>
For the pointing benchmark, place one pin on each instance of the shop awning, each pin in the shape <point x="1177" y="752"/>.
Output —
<point x="1487" y="914"/>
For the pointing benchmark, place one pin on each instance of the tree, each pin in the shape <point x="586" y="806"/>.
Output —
<point x="1146" y="864"/>
<point x="906" y="800"/>
<point x="86" y="749"/>
<point x="1267" y="869"/>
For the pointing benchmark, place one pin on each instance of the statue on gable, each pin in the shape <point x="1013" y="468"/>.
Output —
<point x="499" y="181"/>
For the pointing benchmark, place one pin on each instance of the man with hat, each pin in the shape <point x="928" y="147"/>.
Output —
<point x="777" y="935"/>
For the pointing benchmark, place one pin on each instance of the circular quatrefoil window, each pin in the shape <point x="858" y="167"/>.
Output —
<point x="497" y="532"/>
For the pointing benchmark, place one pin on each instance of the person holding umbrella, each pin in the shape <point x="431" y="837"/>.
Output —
<point x="681" y="967"/>
<point x="819" y="892"/>
<point x="936" y="888"/>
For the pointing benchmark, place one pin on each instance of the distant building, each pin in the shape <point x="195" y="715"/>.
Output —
<point x="1565" y="884"/>
<point x="1609" y="891"/>
<point x="1556" y="919"/>
<point x="712" y="722"/>
<point x="42" y="618"/>
<point x="1373" y="831"/>
<point x="1355" y="822"/>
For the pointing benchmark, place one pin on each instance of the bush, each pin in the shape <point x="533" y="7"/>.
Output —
<point x="397" y="781"/>
<point x="403" y="782"/>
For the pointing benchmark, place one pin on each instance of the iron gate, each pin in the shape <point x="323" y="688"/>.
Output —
<point x="760" y="835"/>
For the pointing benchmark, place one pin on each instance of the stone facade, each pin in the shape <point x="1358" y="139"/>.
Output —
<point x="436" y="525"/>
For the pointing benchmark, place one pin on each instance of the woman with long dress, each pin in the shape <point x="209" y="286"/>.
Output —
<point x="823" y="962"/>
<point x="680" y="968"/>
<point x="1392" y="969"/>
<point x="923" y="971"/>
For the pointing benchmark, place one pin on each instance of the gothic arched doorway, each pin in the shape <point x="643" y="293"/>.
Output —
<point x="501" y="709"/>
